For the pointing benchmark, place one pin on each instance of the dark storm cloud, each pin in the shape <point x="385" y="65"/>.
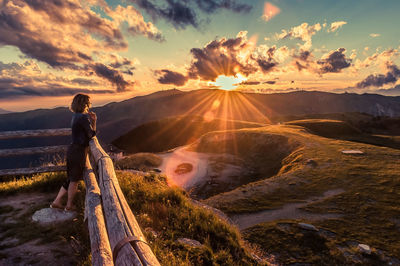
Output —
<point x="112" y="75"/>
<point x="184" y="13"/>
<point x="335" y="62"/>
<point x="378" y="80"/>
<point x="166" y="76"/>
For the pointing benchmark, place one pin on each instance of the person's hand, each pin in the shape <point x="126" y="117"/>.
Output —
<point x="93" y="116"/>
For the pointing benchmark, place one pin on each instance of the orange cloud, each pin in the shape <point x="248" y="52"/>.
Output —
<point x="270" y="11"/>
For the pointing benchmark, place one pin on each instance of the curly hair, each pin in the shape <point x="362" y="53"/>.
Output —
<point x="79" y="103"/>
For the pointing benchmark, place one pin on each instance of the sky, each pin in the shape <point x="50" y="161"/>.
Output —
<point x="51" y="50"/>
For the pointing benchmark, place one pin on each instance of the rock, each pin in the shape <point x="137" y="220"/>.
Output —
<point x="190" y="242"/>
<point x="49" y="215"/>
<point x="363" y="248"/>
<point x="151" y="231"/>
<point x="309" y="227"/>
<point x="352" y="152"/>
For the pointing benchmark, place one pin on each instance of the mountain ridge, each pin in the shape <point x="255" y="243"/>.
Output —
<point x="117" y="118"/>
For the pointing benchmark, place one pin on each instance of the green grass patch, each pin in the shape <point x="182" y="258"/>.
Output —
<point x="139" y="161"/>
<point x="46" y="182"/>
<point x="170" y="213"/>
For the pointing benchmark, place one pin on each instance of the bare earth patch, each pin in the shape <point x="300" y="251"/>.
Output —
<point x="15" y="251"/>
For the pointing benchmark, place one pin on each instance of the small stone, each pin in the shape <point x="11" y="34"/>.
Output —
<point x="311" y="162"/>
<point x="190" y="242"/>
<point x="151" y="231"/>
<point x="309" y="227"/>
<point x="352" y="152"/>
<point x="49" y="215"/>
<point x="363" y="248"/>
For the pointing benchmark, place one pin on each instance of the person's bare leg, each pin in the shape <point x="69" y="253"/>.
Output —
<point x="60" y="195"/>
<point x="72" y="189"/>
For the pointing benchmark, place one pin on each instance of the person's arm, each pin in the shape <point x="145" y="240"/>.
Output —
<point x="89" y="125"/>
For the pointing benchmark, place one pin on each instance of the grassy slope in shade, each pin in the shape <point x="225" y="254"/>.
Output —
<point x="368" y="206"/>
<point x="168" y="133"/>
<point x="166" y="210"/>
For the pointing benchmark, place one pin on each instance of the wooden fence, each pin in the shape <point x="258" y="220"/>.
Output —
<point x="115" y="236"/>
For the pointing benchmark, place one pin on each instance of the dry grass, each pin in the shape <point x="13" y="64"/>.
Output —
<point x="139" y="161"/>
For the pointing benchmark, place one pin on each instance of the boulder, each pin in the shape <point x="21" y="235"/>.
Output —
<point x="365" y="249"/>
<point x="49" y="215"/>
<point x="309" y="227"/>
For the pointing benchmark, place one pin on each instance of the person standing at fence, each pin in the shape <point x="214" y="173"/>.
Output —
<point x="83" y="126"/>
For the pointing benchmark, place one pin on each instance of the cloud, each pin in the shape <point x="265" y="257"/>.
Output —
<point x="270" y="82"/>
<point x="377" y="80"/>
<point x="249" y="82"/>
<point x="184" y="13"/>
<point x="135" y="21"/>
<point x="166" y="76"/>
<point x="69" y="35"/>
<point x="334" y="62"/>
<point x="336" y="25"/>
<point x="377" y="59"/>
<point x="270" y="11"/>
<point x="302" y="32"/>
<point x="304" y="61"/>
<point x="27" y="79"/>
<point x="112" y="75"/>
<point x="223" y="57"/>
<point x="374" y="35"/>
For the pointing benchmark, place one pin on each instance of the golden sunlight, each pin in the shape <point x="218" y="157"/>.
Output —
<point x="228" y="83"/>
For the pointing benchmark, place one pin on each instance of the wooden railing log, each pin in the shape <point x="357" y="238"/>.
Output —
<point x="33" y="170"/>
<point x="35" y="133"/>
<point x="119" y="217"/>
<point x="100" y="246"/>
<point x="115" y="219"/>
<point x="25" y="151"/>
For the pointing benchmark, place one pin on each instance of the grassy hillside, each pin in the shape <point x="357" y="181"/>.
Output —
<point x="164" y="214"/>
<point x="345" y="131"/>
<point x="168" y="133"/>
<point x="367" y="210"/>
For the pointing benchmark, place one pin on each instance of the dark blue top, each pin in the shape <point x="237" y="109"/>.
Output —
<point x="82" y="130"/>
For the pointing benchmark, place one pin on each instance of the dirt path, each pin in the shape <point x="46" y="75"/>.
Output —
<point x="288" y="211"/>
<point x="13" y="251"/>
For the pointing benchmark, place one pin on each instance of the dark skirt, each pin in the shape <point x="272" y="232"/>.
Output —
<point x="76" y="162"/>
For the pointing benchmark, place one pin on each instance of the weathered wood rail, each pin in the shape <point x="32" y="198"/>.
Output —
<point x="115" y="235"/>
<point x="34" y="150"/>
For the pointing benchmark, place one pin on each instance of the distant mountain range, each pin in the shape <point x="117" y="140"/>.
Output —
<point x="2" y="111"/>
<point x="117" y="118"/>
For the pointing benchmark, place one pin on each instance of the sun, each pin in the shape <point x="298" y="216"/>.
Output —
<point x="228" y="83"/>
